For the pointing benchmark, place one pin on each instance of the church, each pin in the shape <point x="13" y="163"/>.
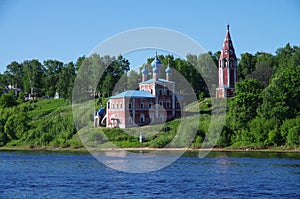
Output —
<point x="156" y="100"/>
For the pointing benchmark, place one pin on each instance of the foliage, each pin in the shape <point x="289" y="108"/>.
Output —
<point x="281" y="97"/>
<point x="7" y="100"/>
<point x="264" y="112"/>
<point x="242" y="108"/>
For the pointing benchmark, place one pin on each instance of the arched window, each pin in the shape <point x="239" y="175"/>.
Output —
<point x="130" y="105"/>
<point x="142" y="117"/>
<point x="162" y="118"/>
<point x="151" y="118"/>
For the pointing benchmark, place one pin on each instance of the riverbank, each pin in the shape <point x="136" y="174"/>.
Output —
<point x="83" y="149"/>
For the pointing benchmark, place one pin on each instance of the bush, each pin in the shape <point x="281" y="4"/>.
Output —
<point x="7" y="100"/>
<point x="294" y="136"/>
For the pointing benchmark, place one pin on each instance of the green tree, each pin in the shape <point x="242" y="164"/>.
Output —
<point x="284" y="56"/>
<point x="242" y="108"/>
<point x="246" y="65"/>
<point x="15" y="73"/>
<point x="133" y="80"/>
<point x="261" y="129"/>
<point x="293" y="137"/>
<point x="281" y="97"/>
<point x="52" y="71"/>
<point x="14" y="131"/>
<point x="286" y="126"/>
<point x="112" y="74"/>
<point x="65" y="81"/>
<point x="7" y="100"/>
<point x="33" y="73"/>
<point x="3" y="136"/>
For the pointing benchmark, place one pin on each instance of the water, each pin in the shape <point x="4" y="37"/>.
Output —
<point x="219" y="175"/>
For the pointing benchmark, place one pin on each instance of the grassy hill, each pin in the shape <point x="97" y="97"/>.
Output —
<point x="49" y="123"/>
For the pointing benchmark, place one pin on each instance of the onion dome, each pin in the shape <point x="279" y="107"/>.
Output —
<point x="156" y="70"/>
<point x="168" y="69"/>
<point x="156" y="62"/>
<point x="145" y="71"/>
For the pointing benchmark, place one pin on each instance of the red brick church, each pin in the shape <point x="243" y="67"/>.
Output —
<point x="155" y="101"/>
<point x="227" y="69"/>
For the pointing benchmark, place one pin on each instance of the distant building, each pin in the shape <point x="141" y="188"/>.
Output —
<point x="13" y="88"/>
<point x="154" y="102"/>
<point x="56" y="96"/>
<point x="227" y="69"/>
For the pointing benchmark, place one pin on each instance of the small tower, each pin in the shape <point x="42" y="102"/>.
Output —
<point x="227" y="69"/>
<point x="145" y="73"/>
<point x="168" y="72"/>
<point x="156" y="64"/>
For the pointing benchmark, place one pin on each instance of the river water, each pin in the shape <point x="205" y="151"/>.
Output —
<point x="43" y="174"/>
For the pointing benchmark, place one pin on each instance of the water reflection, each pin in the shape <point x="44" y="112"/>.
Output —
<point x="137" y="162"/>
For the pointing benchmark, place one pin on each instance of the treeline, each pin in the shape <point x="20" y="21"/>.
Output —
<point x="266" y="108"/>
<point x="264" y="112"/>
<point x="44" y="80"/>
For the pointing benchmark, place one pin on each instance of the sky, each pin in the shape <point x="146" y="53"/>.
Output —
<point x="66" y="29"/>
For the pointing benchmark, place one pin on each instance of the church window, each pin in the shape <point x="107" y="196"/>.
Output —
<point x="142" y="117"/>
<point x="168" y="104"/>
<point x="160" y="92"/>
<point x="161" y="103"/>
<point x="130" y="104"/>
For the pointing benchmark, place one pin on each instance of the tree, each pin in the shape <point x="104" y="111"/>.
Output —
<point x="65" y="81"/>
<point x="261" y="130"/>
<point x="112" y="74"/>
<point x="293" y="137"/>
<point x="242" y="108"/>
<point x="281" y="97"/>
<point x="33" y="73"/>
<point x="14" y="71"/>
<point x="7" y="100"/>
<point x="262" y="73"/>
<point x="286" y="126"/>
<point x="133" y="80"/>
<point x="284" y="56"/>
<point x="52" y="71"/>
<point x="3" y="136"/>
<point x="246" y="65"/>
<point x="14" y="131"/>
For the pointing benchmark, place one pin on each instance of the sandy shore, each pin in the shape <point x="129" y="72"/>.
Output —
<point x="272" y="149"/>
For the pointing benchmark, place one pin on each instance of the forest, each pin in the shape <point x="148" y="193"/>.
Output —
<point x="265" y="111"/>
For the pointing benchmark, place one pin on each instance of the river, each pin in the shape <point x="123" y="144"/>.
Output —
<point x="42" y="174"/>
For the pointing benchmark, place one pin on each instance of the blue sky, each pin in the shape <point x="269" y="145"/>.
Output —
<point x="67" y="29"/>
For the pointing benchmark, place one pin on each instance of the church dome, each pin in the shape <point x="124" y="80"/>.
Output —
<point x="168" y="69"/>
<point x="145" y="71"/>
<point x="156" y="70"/>
<point x="156" y="62"/>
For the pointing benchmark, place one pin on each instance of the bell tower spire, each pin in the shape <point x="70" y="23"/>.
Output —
<point x="227" y="68"/>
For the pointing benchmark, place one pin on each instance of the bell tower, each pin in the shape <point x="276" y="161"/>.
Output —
<point x="227" y="69"/>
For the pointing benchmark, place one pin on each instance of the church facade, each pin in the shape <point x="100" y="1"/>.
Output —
<point x="155" y="102"/>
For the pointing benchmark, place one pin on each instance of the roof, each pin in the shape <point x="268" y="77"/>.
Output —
<point x="159" y="80"/>
<point x="156" y="62"/>
<point x="133" y="94"/>
<point x="227" y="49"/>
